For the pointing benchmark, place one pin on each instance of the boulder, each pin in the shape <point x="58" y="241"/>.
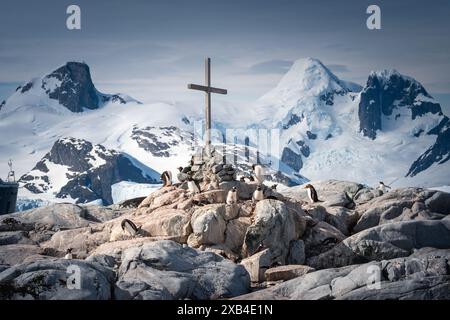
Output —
<point x="208" y="225"/>
<point x="51" y="280"/>
<point x="166" y="196"/>
<point x="212" y="196"/>
<point x="15" y="237"/>
<point x="386" y="241"/>
<point x="168" y="222"/>
<point x="103" y="214"/>
<point x="235" y="233"/>
<point x="287" y="272"/>
<point x="274" y="227"/>
<point x="296" y="252"/>
<point x="439" y="202"/>
<point x="13" y="254"/>
<point x="168" y="270"/>
<point x="257" y="264"/>
<point x="54" y="217"/>
<point x="390" y="206"/>
<point x="320" y="238"/>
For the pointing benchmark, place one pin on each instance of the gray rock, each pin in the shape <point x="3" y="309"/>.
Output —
<point x="296" y="252"/>
<point x="439" y="202"/>
<point x="48" y="280"/>
<point x="13" y="254"/>
<point x="274" y="227"/>
<point x="14" y="237"/>
<point x="167" y="270"/>
<point x="385" y="242"/>
<point x="320" y="238"/>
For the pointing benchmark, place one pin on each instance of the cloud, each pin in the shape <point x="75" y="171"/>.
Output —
<point x="338" y="68"/>
<point x="270" y="67"/>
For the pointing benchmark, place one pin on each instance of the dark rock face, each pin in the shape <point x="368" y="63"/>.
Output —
<point x="292" y="121"/>
<point x="76" y="91"/>
<point x="91" y="170"/>
<point x="292" y="159"/>
<point x="159" y="140"/>
<point x="439" y="152"/>
<point x="304" y="148"/>
<point x="384" y="93"/>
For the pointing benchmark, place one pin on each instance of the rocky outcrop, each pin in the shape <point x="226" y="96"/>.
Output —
<point x="424" y="276"/>
<point x="57" y="280"/>
<point x="88" y="171"/>
<point x="385" y="242"/>
<point x="168" y="270"/>
<point x="383" y="96"/>
<point x="438" y="153"/>
<point x="194" y="246"/>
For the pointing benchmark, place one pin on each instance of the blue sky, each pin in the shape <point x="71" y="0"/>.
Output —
<point x="151" y="49"/>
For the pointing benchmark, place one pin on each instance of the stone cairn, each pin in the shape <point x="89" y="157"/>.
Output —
<point x="208" y="168"/>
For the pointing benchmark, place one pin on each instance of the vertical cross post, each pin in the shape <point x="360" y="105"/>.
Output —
<point x="208" y="102"/>
<point x="208" y="90"/>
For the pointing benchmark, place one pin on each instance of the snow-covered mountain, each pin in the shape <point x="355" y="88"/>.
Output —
<point x="69" y="86"/>
<point x="80" y="172"/>
<point x="334" y="129"/>
<point x="390" y="130"/>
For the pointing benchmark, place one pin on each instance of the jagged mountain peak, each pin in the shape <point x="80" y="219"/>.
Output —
<point x="69" y="87"/>
<point x="391" y="99"/>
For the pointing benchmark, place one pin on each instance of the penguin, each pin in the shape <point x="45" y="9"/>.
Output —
<point x="166" y="177"/>
<point x="383" y="187"/>
<point x="130" y="227"/>
<point x="258" y="172"/>
<point x="258" y="195"/>
<point x="312" y="193"/>
<point x="274" y="187"/>
<point x="69" y="254"/>
<point x="232" y="196"/>
<point x="193" y="187"/>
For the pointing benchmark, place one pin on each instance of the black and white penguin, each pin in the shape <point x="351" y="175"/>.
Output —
<point x="312" y="193"/>
<point x="166" y="178"/>
<point x="69" y="254"/>
<point x="258" y="172"/>
<point x="130" y="227"/>
<point x="383" y="187"/>
<point x="232" y="196"/>
<point x="258" y="195"/>
<point x="274" y="186"/>
<point x="193" y="186"/>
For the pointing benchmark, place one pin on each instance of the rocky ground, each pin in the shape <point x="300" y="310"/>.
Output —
<point x="198" y="247"/>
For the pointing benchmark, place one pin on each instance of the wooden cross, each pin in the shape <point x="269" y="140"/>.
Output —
<point x="208" y="90"/>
